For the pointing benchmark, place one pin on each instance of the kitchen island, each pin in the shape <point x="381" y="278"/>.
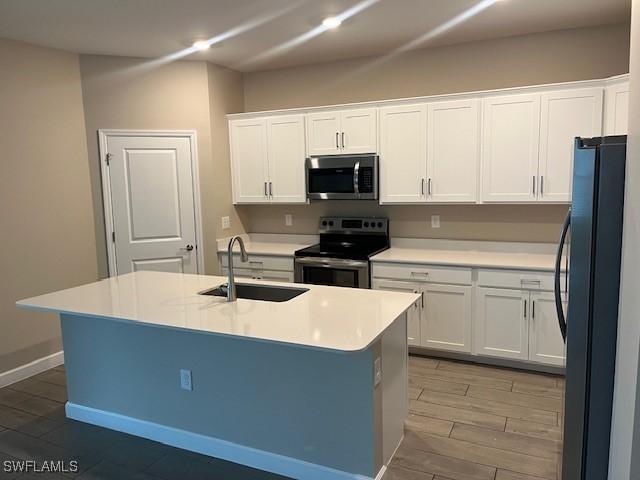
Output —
<point x="310" y="388"/>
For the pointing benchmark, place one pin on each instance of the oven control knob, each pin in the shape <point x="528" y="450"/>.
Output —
<point x="379" y="224"/>
<point x="331" y="223"/>
<point x="324" y="223"/>
<point x="366" y="224"/>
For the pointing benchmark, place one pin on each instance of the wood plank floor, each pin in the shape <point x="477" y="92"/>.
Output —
<point x="475" y="422"/>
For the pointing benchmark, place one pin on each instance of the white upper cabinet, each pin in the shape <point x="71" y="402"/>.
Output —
<point x="249" y="160"/>
<point x="267" y="160"/>
<point x="453" y="151"/>
<point x="342" y="132"/>
<point x="511" y="132"/>
<point x="323" y="133"/>
<point x="403" y="154"/>
<point x="617" y="109"/>
<point x="286" y="156"/>
<point x="564" y="116"/>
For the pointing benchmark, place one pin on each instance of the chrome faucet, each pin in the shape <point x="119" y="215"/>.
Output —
<point x="231" y="283"/>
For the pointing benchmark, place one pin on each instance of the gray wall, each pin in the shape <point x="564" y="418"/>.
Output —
<point x="313" y="405"/>
<point x="47" y="239"/>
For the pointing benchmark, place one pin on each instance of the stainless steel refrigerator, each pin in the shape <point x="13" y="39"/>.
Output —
<point x="593" y="235"/>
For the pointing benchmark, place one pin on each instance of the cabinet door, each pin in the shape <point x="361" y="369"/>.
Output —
<point x="413" y="314"/>
<point x="453" y="151"/>
<point x="359" y="131"/>
<point x="564" y="116"/>
<point x="286" y="159"/>
<point x="447" y="318"/>
<point x="501" y="324"/>
<point x="617" y="109"/>
<point x="545" y="340"/>
<point x="323" y="133"/>
<point x="511" y="132"/>
<point x="249" y="160"/>
<point x="403" y="154"/>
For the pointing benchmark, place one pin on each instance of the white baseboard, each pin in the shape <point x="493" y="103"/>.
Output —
<point x="31" y="369"/>
<point x="381" y="473"/>
<point x="213" y="447"/>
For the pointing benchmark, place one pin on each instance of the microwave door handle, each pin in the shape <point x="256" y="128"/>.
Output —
<point x="356" y="178"/>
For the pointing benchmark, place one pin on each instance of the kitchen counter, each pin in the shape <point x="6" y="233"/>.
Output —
<point x="270" y="244"/>
<point x="474" y="259"/>
<point x="330" y="318"/>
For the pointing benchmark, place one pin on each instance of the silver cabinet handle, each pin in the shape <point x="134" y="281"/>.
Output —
<point x="422" y="187"/>
<point x="266" y="192"/>
<point x="533" y="309"/>
<point x="525" y="309"/>
<point x="270" y="189"/>
<point x="342" y="139"/>
<point x="337" y="140"/>
<point x="422" y="298"/>
<point x="356" y="178"/>
<point x="533" y="179"/>
<point x="541" y="185"/>
<point x="416" y="274"/>
<point x="429" y="187"/>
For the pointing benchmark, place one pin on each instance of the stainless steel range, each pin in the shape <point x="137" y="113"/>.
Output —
<point x="342" y="256"/>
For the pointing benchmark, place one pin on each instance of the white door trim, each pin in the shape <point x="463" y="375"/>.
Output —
<point x="103" y="136"/>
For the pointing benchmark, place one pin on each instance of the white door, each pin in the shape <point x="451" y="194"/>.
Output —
<point x="358" y="131"/>
<point x="249" y="161"/>
<point x="617" y="109"/>
<point x="453" y="151"/>
<point x="323" y="133"/>
<point x="152" y="203"/>
<point x="285" y="139"/>
<point x="447" y="318"/>
<point x="511" y="132"/>
<point x="545" y="340"/>
<point x="414" y="313"/>
<point x="403" y="154"/>
<point x="564" y="116"/>
<point x="501" y="327"/>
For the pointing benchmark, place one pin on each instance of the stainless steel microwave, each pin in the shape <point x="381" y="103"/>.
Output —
<point x="342" y="177"/>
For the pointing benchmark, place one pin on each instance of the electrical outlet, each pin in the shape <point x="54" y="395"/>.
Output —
<point x="226" y="223"/>
<point x="435" y="221"/>
<point x="377" y="371"/>
<point x="288" y="219"/>
<point x="185" y="380"/>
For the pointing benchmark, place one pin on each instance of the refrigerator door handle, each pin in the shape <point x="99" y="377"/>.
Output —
<point x="562" y="322"/>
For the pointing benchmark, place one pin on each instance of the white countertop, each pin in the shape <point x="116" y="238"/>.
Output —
<point x="475" y="259"/>
<point x="332" y="318"/>
<point x="284" y="245"/>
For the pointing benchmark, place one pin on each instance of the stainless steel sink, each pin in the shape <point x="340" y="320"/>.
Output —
<point x="251" y="291"/>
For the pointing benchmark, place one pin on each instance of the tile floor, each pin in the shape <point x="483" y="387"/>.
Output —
<point x="467" y="422"/>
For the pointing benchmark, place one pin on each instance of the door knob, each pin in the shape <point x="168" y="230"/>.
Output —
<point x="188" y="248"/>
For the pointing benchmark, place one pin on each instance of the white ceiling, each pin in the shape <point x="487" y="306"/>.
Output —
<point x="269" y="28"/>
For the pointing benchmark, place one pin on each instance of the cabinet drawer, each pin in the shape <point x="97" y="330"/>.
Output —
<point x="516" y="279"/>
<point x="422" y="273"/>
<point x="259" y="262"/>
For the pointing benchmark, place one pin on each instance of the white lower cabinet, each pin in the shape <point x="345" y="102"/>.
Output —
<point x="447" y="317"/>
<point x="518" y="324"/>
<point x="441" y="319"/>
<point x="501" y="327"/>
<point x="545" y="341"/>
<point x="414" y="314"/>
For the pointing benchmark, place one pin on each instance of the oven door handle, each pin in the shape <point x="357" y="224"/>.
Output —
<point x="331" y="262"/>
<point x="356" y="178"/>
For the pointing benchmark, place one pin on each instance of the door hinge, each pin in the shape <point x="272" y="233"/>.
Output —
<point x="107" y="158"/>
<point x="113" y="237"/>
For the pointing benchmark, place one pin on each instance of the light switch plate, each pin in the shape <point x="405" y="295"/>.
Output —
<point x="226" y="223"/>
<point x="288" y="219"/>
<point x="435" y="221"/>
<point x="185" y="380"/>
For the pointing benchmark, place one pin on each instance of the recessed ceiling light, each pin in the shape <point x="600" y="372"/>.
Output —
<point x="331" y="22"/>
<point x="201" y="45"/>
